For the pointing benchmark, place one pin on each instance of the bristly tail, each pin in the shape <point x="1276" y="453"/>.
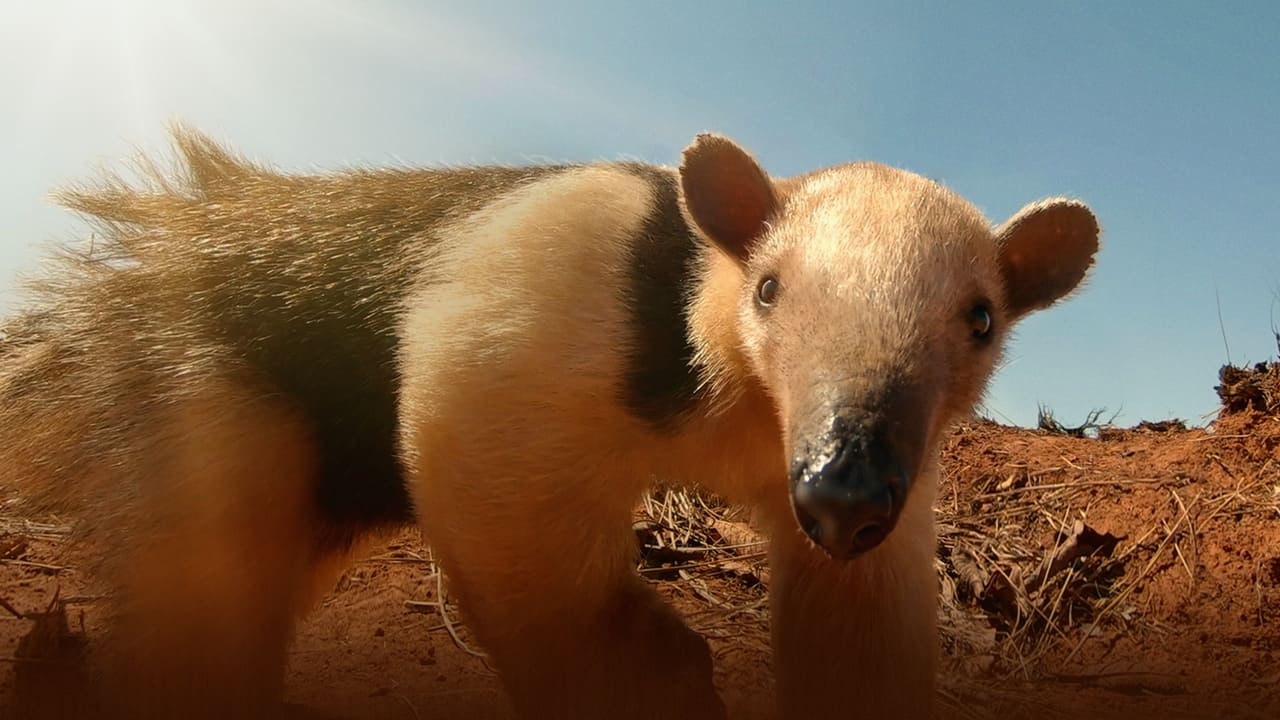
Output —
<point x="79" y="375"/>
<point x="44" y="414"/>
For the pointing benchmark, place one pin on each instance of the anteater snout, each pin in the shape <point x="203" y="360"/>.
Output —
<point x="847" y="498"/>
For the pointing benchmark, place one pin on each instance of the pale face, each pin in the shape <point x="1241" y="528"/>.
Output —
<point x="872" y="305"/>
<point x="872" y="310"/>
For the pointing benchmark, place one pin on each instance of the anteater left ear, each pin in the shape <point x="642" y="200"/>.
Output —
<point x="726" y="193"/>
<point x="1046" y="249"/>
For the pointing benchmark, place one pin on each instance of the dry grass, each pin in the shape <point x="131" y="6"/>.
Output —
<point x="1006" y="600"/>
<point x="1256" y="388"/>
<point x="1009" y="600"/>
<point x="1027" y="569"/>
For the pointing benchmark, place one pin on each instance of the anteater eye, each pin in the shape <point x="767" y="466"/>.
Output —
<point x="980" y="321"/>
<point x="767" y="291"/>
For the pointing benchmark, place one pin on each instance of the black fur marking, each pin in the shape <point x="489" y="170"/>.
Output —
<point x="338" y="369"/>
<point x="322" y="332"/>
<point x="662" y="384"/>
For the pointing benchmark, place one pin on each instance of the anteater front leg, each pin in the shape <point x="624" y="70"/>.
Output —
<point x="541" y="561"/>
<point x="856" y="638"/>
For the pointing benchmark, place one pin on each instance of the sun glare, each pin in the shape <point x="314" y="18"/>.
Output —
<point x="112" y="55"/>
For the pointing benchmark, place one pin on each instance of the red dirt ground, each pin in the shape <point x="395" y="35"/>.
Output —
<point x="1178" y="618"/>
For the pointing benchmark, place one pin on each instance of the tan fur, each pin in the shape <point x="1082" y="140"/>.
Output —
<point x="501" y="289"/>
<point x="224" y="565"/>
<point x="501" y="489"/>
<point x="879" y="666"/>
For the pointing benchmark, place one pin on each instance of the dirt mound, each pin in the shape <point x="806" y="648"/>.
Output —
<point x="1146" y="559"/>
<point x="1244" y="389"/>
<point x="1129" y="573"/>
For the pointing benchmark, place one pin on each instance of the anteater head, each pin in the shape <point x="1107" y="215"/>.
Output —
<point x="871" y="305"/>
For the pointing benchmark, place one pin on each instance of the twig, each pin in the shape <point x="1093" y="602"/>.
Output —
<point x="439" y="605"/>
<point x="37" y="565"/>
<point x="1128" y="589"/>
<point x="409" y="703"/>
<point x="4" y="603"/>
<point x="1076" y="484"/>
<point x="1192" y="535"/>
<point x="1216" y="437"/>
<point x="704" y="563"/>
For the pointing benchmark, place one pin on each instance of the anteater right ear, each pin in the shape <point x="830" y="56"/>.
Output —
<point x="1046" y="249"/>
<point x="726" y="193"/>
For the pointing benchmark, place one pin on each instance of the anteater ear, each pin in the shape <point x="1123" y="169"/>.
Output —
<point x="726" y="193"/>
<point x="1046" y="249"/>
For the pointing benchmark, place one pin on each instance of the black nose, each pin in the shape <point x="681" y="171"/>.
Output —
<point x="850" y="503"/>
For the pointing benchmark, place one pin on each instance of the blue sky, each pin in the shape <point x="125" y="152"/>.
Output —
<point x="1164" y="116"/>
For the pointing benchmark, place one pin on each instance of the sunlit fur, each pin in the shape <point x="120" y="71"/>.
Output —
<point x="124" y="404"/>
<point x="877" y="269"/>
